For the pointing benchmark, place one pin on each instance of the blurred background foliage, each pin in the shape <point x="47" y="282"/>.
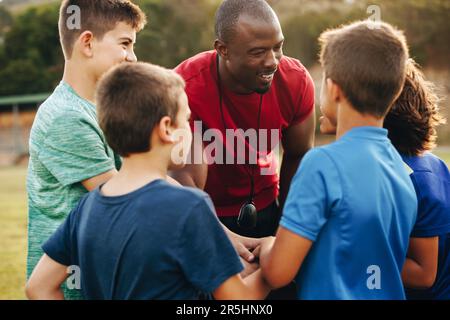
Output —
<point x="31" y="60"/>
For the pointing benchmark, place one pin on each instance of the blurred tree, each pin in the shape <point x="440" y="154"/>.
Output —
<point x="177" y="29"/>
<point x="31" y="59"/>
<point x="5" y="19"/>
<point x="34" y="36"/>
<point x="24" y="77"/>
<point x="427" y="27"/>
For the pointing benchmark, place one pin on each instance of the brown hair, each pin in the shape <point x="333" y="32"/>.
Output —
<point x="131" y="100"/>
<point x="414" y="115"/>
<point x="367" y="60"/>
<point x="97" y="16"/>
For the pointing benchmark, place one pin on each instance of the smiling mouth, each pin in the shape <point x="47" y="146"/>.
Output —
<point x="267" y="76"/>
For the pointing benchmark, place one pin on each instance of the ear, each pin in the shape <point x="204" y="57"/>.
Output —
<point x="85" y="43"/>
<point x="221" y="48"/>
<point x="165" y="130"/>
<point x="334" y="91"/>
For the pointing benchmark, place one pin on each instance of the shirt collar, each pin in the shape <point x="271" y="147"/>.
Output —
<point x="374" y="133"/>
<point x="68" y="88"/>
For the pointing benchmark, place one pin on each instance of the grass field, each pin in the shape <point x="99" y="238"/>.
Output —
<point x="13" y="228"/>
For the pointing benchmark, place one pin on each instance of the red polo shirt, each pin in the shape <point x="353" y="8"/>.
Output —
<point x="289" y="101"/>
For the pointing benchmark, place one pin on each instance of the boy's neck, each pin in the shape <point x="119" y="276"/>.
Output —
<point x="349" y="118"/>
<point x="80" y="80"/>
<point x="137" y="171"/>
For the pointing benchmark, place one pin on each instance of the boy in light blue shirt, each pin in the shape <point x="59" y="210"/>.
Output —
<point x="351" y="206"/>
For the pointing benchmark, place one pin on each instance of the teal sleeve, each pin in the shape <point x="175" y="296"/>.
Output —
<point x="75" y="150"/>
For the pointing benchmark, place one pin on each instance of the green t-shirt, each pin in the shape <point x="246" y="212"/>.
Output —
<point x="67" y="146"/>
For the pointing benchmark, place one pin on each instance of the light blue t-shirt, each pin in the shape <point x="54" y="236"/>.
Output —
<point x="355" y="201"/>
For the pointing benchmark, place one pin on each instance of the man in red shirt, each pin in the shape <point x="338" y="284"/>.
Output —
<point x="247" y="83"/>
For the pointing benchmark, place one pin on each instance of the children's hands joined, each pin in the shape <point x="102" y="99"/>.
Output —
<point x="251" y="267"/>
<point x="264" y="248"/>
<point x="244" y="246"/>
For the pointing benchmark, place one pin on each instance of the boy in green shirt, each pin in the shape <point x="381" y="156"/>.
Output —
<point x="69" y="155"/>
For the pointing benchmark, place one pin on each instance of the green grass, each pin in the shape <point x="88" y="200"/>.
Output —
<point x="13" y="232"/>
<point x="13" y="241"/>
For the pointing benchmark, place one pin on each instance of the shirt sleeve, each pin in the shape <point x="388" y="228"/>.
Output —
<point x="432" y="195"/>
<point x="306" y="102"/>
<point x="59" y="246"/>
<point x="314" y="194"/>
<point x="74" y="150"/>
<point x="206" y="255"/>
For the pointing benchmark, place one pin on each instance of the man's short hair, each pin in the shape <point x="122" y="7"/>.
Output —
<point x="132" y="98"/>
<point x="97" y="16"/>
<point x="414" y="116"/>
<point x="229" y="12"/>
<point x="367" y="60"/>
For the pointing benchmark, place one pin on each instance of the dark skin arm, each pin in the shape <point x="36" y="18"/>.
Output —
<point x="297" y="140"/>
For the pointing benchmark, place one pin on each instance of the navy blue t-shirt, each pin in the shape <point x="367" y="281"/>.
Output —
<point x="158" y="242"/>
<point x="431" y="179"/>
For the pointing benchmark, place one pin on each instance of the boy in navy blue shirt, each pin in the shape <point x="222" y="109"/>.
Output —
<point x="351" y="207"/>
<point x="411" y="124"/>
<point x="138" y="236"/>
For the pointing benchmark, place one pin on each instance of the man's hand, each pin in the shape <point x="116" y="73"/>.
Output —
<point x="297" y="140"/>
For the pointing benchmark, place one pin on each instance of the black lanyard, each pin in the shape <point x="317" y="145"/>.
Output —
<point x="244" y="210"/>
